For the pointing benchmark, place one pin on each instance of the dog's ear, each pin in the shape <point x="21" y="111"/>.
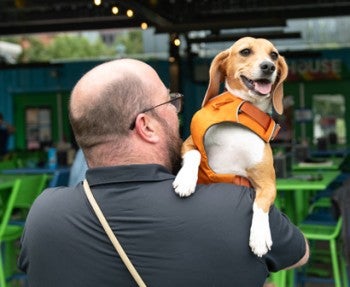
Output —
<point x="277" y="98"/>
<point x="216" y="75"/>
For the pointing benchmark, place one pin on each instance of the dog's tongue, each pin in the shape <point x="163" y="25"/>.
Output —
<point x="263" y="87"/>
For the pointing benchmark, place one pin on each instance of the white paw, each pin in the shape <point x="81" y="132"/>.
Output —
<point x="260" y="240"/>
<point x="186" y="180"/>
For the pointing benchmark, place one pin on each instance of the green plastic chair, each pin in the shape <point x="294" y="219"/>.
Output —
<point x="328" y="233"/>
<point x="278" y="279"/>
<point x="7" y="164"/>
<point x="16" y="202"/>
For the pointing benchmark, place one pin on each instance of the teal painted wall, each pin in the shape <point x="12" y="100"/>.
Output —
<point x="45" y="85"/>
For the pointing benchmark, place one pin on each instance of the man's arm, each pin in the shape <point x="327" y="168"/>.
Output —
<point x="290" y="248"/>
<point x="10" y="128"/>
<point x="304" y="259"/>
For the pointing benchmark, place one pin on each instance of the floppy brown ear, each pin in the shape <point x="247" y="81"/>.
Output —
<point x="216" y="76"/>
<point x="277" y="97"/>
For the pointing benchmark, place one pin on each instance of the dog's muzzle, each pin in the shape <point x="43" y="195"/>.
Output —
<point x="261" y="87"/>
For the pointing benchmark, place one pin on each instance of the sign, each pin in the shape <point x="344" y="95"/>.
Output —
<point x="315" y="69"/>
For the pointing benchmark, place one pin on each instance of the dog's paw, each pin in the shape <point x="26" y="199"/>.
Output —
<point x="184" y="184"/>
<point x="260" y="240"/>
<point x="186" y="179"/>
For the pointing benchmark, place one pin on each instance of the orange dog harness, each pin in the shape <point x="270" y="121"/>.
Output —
<point x="228" y="108"/>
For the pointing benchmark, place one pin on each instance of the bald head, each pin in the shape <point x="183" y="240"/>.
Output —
<point x="90" y="88"/>
<point x="106" y="100"/>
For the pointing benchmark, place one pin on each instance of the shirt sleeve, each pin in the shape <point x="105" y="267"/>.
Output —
<point x="289" y="244"/>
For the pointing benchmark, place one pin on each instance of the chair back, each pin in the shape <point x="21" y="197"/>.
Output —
<point x="7" y="164"/>
<point x="8" y="201"/>
<point x="20" y="198"/>
<point x="15" y="204"/>
<point x="30" y="187"/>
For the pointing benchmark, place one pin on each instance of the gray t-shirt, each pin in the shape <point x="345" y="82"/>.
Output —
<point x="197" y="241"/>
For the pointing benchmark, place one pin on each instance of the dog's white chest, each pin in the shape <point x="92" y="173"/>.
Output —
<point x="232" y="148"/>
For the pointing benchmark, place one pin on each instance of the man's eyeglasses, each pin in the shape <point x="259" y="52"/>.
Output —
<point x="175" y="100"/>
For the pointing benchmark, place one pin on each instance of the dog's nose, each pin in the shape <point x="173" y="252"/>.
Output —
<point x="267" y="67"/>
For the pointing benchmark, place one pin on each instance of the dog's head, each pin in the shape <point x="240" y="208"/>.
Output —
<point x="253" y="70"/>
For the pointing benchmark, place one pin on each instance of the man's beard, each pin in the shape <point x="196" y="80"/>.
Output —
<point x="174" y="143"/>
<point x="174" y="150"/>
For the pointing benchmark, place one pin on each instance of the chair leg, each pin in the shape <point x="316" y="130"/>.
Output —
<point x="344" y="271"/>
<point x="283" y="279"/>
<point x="334" y="258"/>
<point x="2" y="273"/>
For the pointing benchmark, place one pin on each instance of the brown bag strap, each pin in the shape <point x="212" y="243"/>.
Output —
<point x="111" y="235"/>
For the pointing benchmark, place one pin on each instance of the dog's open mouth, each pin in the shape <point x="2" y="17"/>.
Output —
<point x="260" y="87"/>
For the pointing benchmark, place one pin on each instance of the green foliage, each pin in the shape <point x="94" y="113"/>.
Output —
<point x="65" y="47"/>
<point x="328" y="108"/>
<point x="131" y="41"/>
<point x="77" y="47"/>
<point x="36" y="52"/>
<point x="73" y="46"/>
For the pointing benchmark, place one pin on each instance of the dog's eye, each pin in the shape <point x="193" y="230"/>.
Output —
<point x="245" y="52"/>
<point x="274" y="56"/>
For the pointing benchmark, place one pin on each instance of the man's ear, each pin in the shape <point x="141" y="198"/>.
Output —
<point x="147" y="128"/>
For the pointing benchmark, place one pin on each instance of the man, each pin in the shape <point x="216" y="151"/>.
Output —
<point x="127" y="126"/>
<point x="5" y="131"/>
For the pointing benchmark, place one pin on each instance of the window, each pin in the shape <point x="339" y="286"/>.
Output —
<point x="38" y="127"/>
<point x="329" y="122"/>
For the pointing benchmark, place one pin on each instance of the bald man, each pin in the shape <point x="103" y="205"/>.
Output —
<point x="125" y="120"/>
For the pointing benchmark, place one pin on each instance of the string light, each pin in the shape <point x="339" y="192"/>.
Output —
<point x="97" y="2"/>
<point x="177" y="42"/>
<point x="115" y="10"/>
<point x="144" y="25"/>
<point x="129" y="13"/>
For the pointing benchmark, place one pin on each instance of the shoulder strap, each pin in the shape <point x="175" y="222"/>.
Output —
<point x="111" y="235"/>
<point x="269" y="127"/>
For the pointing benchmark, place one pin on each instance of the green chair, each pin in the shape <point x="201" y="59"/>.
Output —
<point x="8" y="164"/>
<point x="278" y="279"/>
<point x="16" y="203"/>
<point x="327" y="233"/>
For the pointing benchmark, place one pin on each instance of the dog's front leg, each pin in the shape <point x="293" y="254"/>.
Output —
<point x="186" y="179"/>
<point x="263" y="178"/>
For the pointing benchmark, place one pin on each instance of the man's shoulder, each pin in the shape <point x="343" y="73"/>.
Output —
<point x="57" y="197"/>
<point x="224" y="188"/>
<point x="223" y="194"/>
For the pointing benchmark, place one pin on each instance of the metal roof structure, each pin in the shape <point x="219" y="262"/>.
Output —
<point x="167" y="16"/>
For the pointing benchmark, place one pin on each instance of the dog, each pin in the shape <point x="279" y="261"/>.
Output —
<point x="230" y="134"/>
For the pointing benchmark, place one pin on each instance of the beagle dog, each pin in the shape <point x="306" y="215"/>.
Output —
<point x="230" y="134"/>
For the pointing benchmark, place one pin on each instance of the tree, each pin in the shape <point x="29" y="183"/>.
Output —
<point x="62" y="46"/>
<point x="131" y="41"/>
<point x="44" y="48"/>
<point x="77" y="47"/>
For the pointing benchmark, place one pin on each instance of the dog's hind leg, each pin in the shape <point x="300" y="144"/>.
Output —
<point x="263" y="178"/>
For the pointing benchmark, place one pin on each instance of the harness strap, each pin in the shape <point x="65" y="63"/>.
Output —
<point x="240" y="180"/>
<point x="262" y="119"/>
